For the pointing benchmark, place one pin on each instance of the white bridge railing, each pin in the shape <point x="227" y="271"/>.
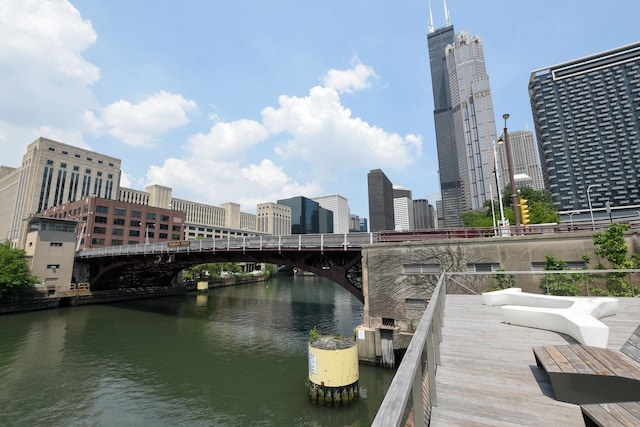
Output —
<point x="297" y="242"/>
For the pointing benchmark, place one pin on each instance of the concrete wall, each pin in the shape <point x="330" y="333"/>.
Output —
<point x="398" y="278"/>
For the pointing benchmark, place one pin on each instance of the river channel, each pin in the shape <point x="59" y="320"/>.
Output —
<point x="236" y="356"/>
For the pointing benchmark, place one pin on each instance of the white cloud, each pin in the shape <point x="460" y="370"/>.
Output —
<point x="227" y="140"/>
<point x="45" y="77"/>
<point x="351" y="80"/>
<point x="325" y="143"/>
<point x="140" y="124"/>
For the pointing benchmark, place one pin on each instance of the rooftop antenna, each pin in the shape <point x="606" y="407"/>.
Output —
<point x="430" y="18"/>
<point x="447" y="20"/>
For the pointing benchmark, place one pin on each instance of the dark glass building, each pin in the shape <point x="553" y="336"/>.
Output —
<point x="587" y="120"/>
<point x="381" y="214"/>
<point x="307" y="216"/>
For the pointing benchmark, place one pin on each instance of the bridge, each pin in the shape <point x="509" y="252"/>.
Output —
<point x="336" y="257"/>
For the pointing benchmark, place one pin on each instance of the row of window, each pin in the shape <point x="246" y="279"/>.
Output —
<point x="482" y="267"/>
<point x="77" y="156"/>
<point x="134" y="214"/>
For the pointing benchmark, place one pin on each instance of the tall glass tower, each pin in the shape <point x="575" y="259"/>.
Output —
<point x="464" y="120"/>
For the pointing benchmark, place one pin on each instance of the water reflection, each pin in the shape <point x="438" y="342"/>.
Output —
<point x="233" y="357"/>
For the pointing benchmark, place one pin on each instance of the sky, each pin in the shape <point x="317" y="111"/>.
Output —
<point x="255" y="101"/>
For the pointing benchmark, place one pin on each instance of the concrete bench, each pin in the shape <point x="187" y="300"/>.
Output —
<point x="611" y="414"/>
<point x="574" y="316"/>
<point x="584" y="374"/>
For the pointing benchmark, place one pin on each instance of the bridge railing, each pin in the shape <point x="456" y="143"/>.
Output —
<point x="262" y="243"/>
<point x="413" y="388"/>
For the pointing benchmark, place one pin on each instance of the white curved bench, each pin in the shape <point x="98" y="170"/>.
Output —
<point x="574" y="316"/>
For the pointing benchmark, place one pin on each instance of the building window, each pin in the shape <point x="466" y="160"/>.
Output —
<point x="116" y="242"/>
<point x="63" y="165"/>
<point x="49" y="162"/>
<point x="100" y="219"/>
<point x="118" y="221"/>
<point x="118" y="231"/>
<point x="135" y="223"/>
<point x="175" y="228"/>
<point x="164" y="218"/>
<point x="97" y="241"/>
<point x="102" y="209"/>
<point x="120" y="211"/>
<point x="175" y="237"/>
<point x="136" y="214"/>
<point x="134" y="233"/>
<point x="485" y="267"/>
<point x="164" y="226"/>
<point x="58" y="244"/>
<point x="99" y="230"/>
<point x="53" y="266"/>
<point x="163" y="235"/>
<point x="151" y="215"/>
<point x="132" y="242"/>
<point x="52" y="149"/>
<point x="421" y="268"/>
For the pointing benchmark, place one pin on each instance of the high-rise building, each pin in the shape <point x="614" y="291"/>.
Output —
<point x="403" y="209"/>
<point x="587" y="120"/>
<point x="423" y="214"/>
<point x="380" y="201"/>
<point x="339" y="205"/>
<point x="52" y="173"/>
<point x="526" y="162"/>
<point x="307" y="216"/>
<point x="464" y="120"/>
<point x="274" y="219"/>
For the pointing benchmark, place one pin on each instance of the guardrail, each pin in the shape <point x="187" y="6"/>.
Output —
<point x="415" y="378"/>
<point x="297" y="242"/>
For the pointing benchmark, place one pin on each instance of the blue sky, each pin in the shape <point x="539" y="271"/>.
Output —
<point x="253" y="101"/>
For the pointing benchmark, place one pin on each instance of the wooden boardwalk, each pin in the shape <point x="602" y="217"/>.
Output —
<point x="488" y="375"/>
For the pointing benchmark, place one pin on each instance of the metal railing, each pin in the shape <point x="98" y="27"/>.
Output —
<point x="415" y="378"/>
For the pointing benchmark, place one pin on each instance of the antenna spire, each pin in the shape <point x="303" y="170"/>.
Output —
<point x="430" y="18"/>
<point x="447" y="19"/>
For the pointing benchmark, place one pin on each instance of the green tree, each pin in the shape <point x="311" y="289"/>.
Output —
<point x="610" y="245"/>
<point x="541" y="209"/>
<point x="501" y="280"/>
<point x="15" y="276"/>
<point x="558" y="283"/>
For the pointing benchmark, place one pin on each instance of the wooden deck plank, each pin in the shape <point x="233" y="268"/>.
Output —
<point x="489" y="376"/>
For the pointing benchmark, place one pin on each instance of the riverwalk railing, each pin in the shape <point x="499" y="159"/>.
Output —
<point x="412" y="392"/>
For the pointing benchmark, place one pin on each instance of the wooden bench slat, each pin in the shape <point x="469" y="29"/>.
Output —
<point x="632" y="347"/>
<point x="560" y="361"/>
<point x="613" y="414"/>
<point x="582" y="364"/>
<point x="618" y="363"/>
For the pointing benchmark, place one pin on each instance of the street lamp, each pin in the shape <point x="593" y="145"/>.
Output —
<point x="512" y="182"/>
<point x="495" y="166"/>
<point x="593" y="225"/>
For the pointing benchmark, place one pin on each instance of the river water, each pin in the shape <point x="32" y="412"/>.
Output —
<point x="236" y="356"/>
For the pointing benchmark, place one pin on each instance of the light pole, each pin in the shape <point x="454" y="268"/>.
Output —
<point x="593" y="224"/>
<point x="512" y="182"/>
<point x="495" y="166"/>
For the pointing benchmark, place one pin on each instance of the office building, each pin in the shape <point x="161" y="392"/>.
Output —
<point x="51" y="174"/>
<point x="55" y="179"/>
<point x="586" y="114"/>
<point x="423" y="214"/>
<point x="464" y="120"/>
<point x="307" y="216"/>
<point x="339" y="205"/>
<point x="274" y="219"/>
<point x="381" y="208"/>
<point x="402" y="209"/>
<point x="527" y="171"/>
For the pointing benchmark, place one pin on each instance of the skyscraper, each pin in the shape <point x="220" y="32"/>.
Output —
<point x="464" y="119"/>
<point x="380" y="189"/>
<point x="339" y="205"/>
<point x="403" y="209"/>
<point x="526" y="162"/>
<point x="587" y="119"/>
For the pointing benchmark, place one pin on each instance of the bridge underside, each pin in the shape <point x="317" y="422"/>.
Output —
<point x="143" y="270"/>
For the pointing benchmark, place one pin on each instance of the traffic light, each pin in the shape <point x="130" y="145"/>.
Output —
<point x="524" y="211"/>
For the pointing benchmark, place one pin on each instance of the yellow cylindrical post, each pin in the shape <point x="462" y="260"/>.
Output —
<point x="333" y="371"/>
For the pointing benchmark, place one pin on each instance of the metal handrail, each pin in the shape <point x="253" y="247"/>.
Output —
<point x="415" y="376"/>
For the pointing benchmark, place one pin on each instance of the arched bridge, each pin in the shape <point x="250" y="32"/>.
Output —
<point x="336" y="257"/>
